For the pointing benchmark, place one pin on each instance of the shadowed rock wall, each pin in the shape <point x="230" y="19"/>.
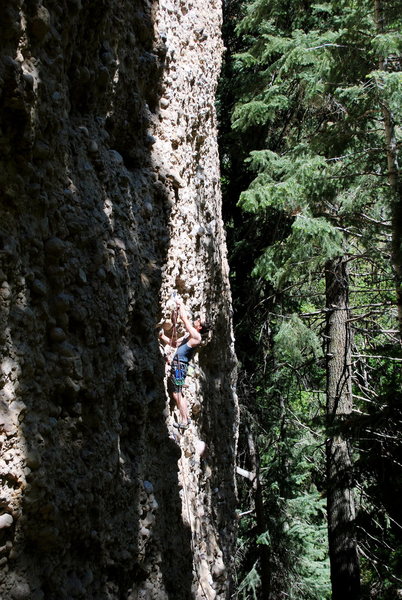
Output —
<point x="109" y="202"/>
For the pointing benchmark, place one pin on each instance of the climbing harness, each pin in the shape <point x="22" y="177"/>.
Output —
<point x="179" y="373"/>
<point x="183" y="426"/>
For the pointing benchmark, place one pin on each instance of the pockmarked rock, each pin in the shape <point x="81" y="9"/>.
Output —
<point x="110" y="172"/>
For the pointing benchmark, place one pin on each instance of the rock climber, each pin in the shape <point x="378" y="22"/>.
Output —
<point x="186" y="348"/>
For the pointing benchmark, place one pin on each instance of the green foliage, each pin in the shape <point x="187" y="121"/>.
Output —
<point x="291" y="182"/>
<point x="250" y="585"/>
<point x="302" y="516"/>
<point x="259" y="112"/>
<point x="385" y="44"/>
<point x="310" y="84"/>
<point x="308" y="534"/>
<point x="295" y="342"/>
<point x="310" y="244"/>
<point x="390" y="90"/>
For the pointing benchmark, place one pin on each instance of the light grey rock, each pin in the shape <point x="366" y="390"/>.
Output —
<point x="55" y="246"/>
<point x="93" y="147"/>
<point x="39" y="287"/>
<point x="57" y="334"/>
<point x="33" y="460"/>
<point x="40" y="24"/>
<point x="82" y="128"/>
<point x="6" y="520"/>
<point x="116" y="157"/>
<point x="5" y="291"/>
<point x="148" y="487"/>
<point x="21" y="591"/>
<point x="110" y="170"/>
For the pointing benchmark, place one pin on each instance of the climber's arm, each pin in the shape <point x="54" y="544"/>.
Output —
<point x="165" y="338"/>
<point x="195" y="336"/>
<point x="168" y="340"/>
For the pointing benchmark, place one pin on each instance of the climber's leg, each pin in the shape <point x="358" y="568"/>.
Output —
<point x="181" y="404"/>
<point x="175" y="387"/>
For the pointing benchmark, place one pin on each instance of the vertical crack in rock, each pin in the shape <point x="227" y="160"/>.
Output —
<point x="110" y="201"/>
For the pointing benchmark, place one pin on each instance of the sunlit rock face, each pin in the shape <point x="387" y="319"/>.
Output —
<point x="110" y="203"/>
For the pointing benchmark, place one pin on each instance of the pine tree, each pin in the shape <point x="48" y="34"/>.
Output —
<point x="318" y="91"/>
<point x="389" y="76"/>
<point x="345" y="571"/>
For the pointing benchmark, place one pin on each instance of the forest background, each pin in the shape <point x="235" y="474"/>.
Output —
<point x="310" y="133"/>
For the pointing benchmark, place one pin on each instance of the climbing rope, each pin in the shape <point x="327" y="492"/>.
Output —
<point x="175" y="314"/>
<point x="179" y="373"/>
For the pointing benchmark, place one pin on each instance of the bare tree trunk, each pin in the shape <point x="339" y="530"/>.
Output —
<point x="394" y="177"/>
<point x="345" y="572"/>
<point x="262" y="526"/>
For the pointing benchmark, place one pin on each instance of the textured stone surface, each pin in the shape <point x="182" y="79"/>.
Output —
<point x="110" y="202"/>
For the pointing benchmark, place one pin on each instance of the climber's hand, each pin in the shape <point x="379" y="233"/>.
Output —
<point x="164" y="338"/>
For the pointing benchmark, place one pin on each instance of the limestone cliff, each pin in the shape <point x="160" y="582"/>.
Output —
<point x="110" y="202"/>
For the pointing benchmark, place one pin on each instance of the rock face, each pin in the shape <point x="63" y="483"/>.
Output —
<point x="110" y="202"/>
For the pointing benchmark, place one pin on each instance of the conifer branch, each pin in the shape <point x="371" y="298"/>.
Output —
<point x="377" y="356"/>
<point x="347" y="308"/>
<point x="386" y="223"/>
<point x="383" y="435"/>
<point x="302" y="424"/>
<point x="329" y="45"/>
<point x="379" y="542"/>
<point x="246" y="474"/>
<point x="360" y="153"/>
<point x="370" y="290"/>
<point x="349" y="231"/>
<point x="246" y="512"/>
<point x="357" y="174"/>
<point x="363" y="387"/>
<point x="363" y="398"/>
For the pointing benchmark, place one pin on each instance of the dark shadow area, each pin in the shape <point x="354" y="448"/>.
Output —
<point x="92" y="486"/>
<point x="218" y="426"/>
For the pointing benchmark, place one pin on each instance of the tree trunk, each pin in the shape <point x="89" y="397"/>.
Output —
<point x="345" y="574"/>
<point x="394" y="177"/>
<point x="262" y="526"/>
